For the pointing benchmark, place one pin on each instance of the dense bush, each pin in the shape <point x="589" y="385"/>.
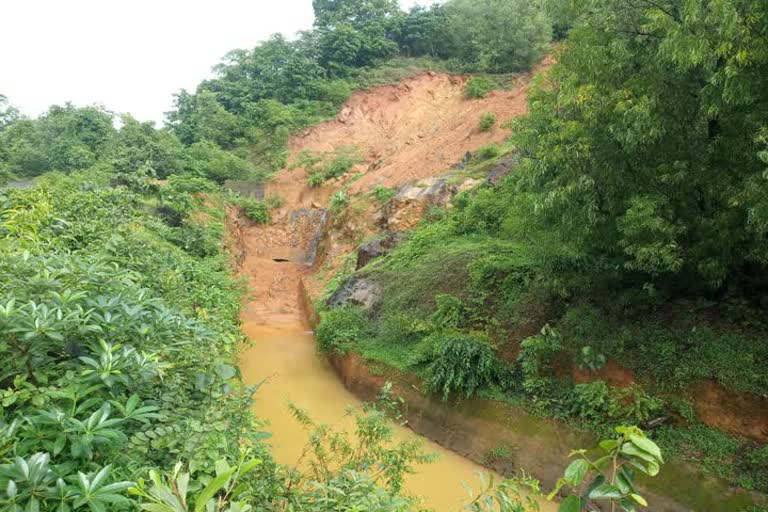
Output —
<point x="457" y="364"/>
<point x="340" y="329"/>
<point x="496" y="36"/>
<point x="487" y="122"/>
<point x="478" y="87"/>
<point x="255" y="210"/>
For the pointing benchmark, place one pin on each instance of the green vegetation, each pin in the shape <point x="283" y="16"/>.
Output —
<point x="478" y="87"/>
<point x="487" y="122"/>
<point x="383" y="194"/>
<point x="323" y="167"/>
<point x="456" y="363"/>
<point x="632" y="234"/>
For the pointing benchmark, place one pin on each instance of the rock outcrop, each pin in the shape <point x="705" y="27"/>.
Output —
<point x="356" y="291"/>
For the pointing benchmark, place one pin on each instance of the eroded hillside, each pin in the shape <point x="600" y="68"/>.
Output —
<point x="402" y="134"/>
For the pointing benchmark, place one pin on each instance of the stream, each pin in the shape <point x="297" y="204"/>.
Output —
<point x="287" y="358"/>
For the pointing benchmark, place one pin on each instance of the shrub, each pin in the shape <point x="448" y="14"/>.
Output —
<point x="487" y="122"/>
<point x="598" y="402"/>
<point x="487" y="152"/>
<point x="340" y="328"/>
<point x="315" y="179"/>
<point x="255" y="210"/>
<point x="383" y="194"/>
<point x="449" y="311"/>
<point x="478" y="87"/>
<point x="339" y="200"/>
<point x="536" y="358"/>
<point x="457" y="363"/>
<point x="339" y="166"/>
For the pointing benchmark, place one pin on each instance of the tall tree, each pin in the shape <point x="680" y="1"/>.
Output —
<point x="643" y="145"/>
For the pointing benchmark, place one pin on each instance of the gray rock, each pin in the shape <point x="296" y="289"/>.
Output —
<point x="499" y="172"/>
<point x="356" y="291"/>
<point x="377" y="248"/>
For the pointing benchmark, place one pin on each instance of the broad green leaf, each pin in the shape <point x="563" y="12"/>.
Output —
<point x="576" y="471"/>
<point x="570" y="504"/>
<point x="647" y="445"/>
<point x="213" y="487"/>
<point x="605" y="491"/>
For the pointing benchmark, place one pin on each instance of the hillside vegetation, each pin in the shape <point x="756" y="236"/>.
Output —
<point x="632" y="233"/>
<point x="621" y="265"/>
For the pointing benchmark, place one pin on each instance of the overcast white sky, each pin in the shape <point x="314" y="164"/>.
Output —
<point x="130" y="55"/>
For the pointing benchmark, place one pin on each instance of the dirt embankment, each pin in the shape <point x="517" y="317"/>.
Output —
<point x="403" y="132"/>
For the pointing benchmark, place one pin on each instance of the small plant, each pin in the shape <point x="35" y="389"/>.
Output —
<point x="340" y="164"/>
<point x="486" y="153"/>
<point x="255" y="210"/>
<point x="274" y="202"/>
<point x="383" y="194"/>
<point x="169" y="493"/>
<point x="497" y="454"/>
<point x="588" y="359"/>
<point x="610" y="478"/>
<point x="536" y="358"/>
<point x="478" y="87"/>
<point x="487" y="122"/>
<point x="315" y="179"/>
<point x="518" y="494"/>
<point x="339" y="200"/>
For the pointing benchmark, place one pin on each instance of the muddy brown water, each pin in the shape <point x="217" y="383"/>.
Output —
<point x="286" y="359"/>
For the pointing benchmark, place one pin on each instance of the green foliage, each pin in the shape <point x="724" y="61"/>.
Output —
<point x="478" y="87"/>
<point x="339" y="200"/>
<point x="456" y="363"/>
<point x="600" y="403"/>
<point x="170" y="493"/>
<point x="64" y="138"/>
<point x="496" y="36"/>
<point x="610" y="478"/>
<point x="340" y="329"/>
<point x="255" y="210"/>
<point x="341" y="162"/>
<point x="518" y="494"/>
<point x="536" y="359"/>
<point x="487" y="122"/>
<point x="589" y="359"/>
<point x="487" y="152"/>
<point x="449" y="312"/>
<point x="641" y="154"/>
<point x="717" y="453"/>
<point x="213" y="163"/>
<point x="383" y="194"/>
<point x="106" y="325"/>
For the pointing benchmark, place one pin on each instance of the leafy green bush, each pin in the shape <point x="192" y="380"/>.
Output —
<point x="341" y="162"/>
<point x="383" y="194"/>
<point x="255" y="210"/>
<point x="487" y="122"/>
<point x="340" y="329"/>
<point x="486" y="152"/>
<point x="537" y="358"/>
<point x="457" y="363"/>
<point x="600" y="403"/>
<point x="449" y="312"/>
<point x="315" y="179"/>
<point x="478" y="87"/>
<point x="339" y="200"/>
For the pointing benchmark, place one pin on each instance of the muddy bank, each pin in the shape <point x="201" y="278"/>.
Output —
<point x="507" y="439"/>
